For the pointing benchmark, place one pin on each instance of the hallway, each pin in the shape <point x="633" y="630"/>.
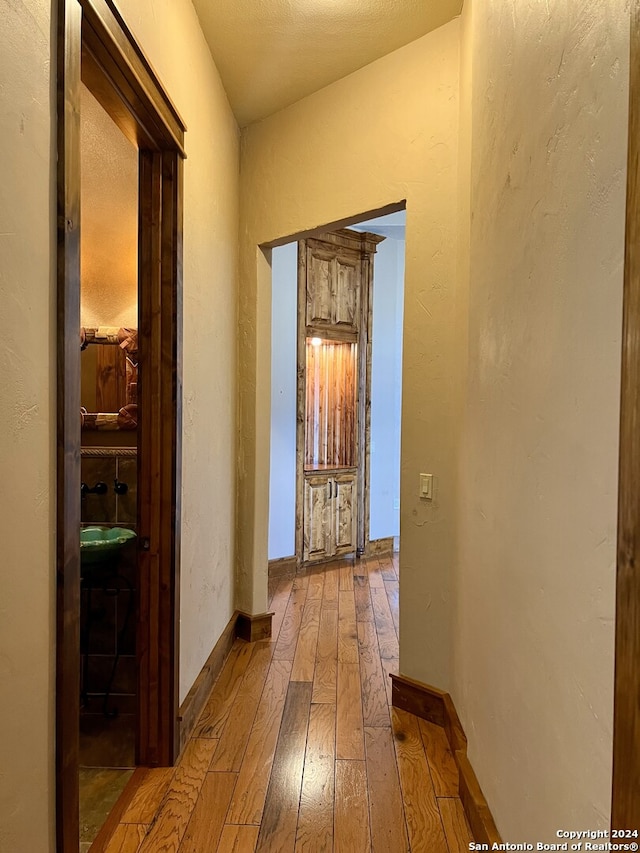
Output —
<point x="297" y="747"/>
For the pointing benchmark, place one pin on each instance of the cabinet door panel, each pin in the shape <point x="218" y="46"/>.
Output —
<point x="317" y="521"/>
<point x="345" y="512"/>
<point x="346" y="291"/>
<point x="320" y="275"/>
<point x="333" y="286"/>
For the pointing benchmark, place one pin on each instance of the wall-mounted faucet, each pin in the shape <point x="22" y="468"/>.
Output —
<point x="98" y="489"/>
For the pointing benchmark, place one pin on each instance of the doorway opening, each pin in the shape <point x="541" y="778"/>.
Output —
<point x="120" y="475"/>
<point x="336" y="397"/>
<point x="108" y="463"/>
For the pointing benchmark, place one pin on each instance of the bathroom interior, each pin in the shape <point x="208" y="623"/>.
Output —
<point x="108" y="546"/>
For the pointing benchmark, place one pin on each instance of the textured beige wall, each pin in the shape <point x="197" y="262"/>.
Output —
<point x="109" y="226"/>
<point x="534" y="643"/>
<point x="387" y="132"/>
<point x="169" y="33"/>
<point x="27" y="440"/>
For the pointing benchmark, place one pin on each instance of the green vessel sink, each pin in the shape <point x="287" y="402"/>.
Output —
<point x="98" y="544"/>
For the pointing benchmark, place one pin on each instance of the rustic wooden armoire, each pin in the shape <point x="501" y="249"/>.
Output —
<point x="335" y="278"/>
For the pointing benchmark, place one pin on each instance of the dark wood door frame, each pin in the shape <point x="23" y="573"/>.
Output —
<point x="96" y="46"/>
<point x="625" y="807"/>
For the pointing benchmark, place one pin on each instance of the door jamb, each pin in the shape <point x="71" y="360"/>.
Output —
<point x="625" y="805"/>
<point x="94" y="44"/>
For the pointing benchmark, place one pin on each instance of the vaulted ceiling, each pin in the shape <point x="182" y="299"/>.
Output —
<point x="271" y="53"/>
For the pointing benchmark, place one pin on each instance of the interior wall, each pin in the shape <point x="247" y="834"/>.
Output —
<point x="284" y="329"/>
<point x="170" y="35"/>
<point x="386" y="388"/>
<point x="27" y="440"/>
<point x="535" y="638"/>
<point x="385" y="133"/>
<point x="109" y="227"/>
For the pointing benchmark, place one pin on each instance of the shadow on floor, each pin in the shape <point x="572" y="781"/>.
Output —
<point x="107" y="754"/>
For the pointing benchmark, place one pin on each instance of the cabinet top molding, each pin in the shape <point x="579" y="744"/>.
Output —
<point x="359" y="240"/>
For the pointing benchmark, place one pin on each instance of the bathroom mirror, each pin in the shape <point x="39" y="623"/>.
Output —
<point x="109" y="378"/>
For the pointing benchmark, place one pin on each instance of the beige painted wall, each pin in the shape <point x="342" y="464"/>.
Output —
<point x="385" y="133"/>
<point x="109" y="227"/>
<point x="169" y="33"/>
<point x="27" y="440"/>
<point x="534" y="639"/>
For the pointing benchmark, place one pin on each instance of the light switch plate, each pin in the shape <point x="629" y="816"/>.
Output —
<point x="426" y="486"/>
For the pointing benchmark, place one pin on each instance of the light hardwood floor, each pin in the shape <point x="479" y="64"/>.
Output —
<point x="298" y="749"/>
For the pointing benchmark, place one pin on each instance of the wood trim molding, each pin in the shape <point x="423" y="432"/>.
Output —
<point x="379" y="546"/>
<point x="418" y="699"/>
<point x="331" y="333"/>
<point x="98" y="452"/>
<point x="241" y="625"/>
<point x="283" y="566"/>
<point x="437" y="707"/>
<point x="253" y="628"/>
<point x="68" y="434"/>
<point x="625" y="800"/>
<point x="363" y="441"/>
<point x="362" y="216"/>
<point x="361" y="241"/>
<point x="110" y="49"/>
<point x="195" y="699"/>
<point x="301" y="386"/>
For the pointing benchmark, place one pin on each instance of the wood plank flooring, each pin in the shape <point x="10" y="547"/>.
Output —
<point x="298" y="749"/>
